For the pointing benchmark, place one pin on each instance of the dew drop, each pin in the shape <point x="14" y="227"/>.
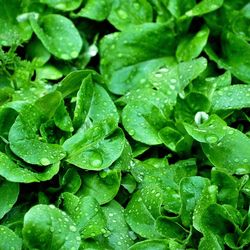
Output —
<point x="95" y="160"/>
<point x="45" y="161"/>
<point x="72" y="229"/>
<point x="211" y="139"/>
<point x="122" y="14"/>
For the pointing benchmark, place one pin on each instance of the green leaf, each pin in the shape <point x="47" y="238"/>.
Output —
<point x="152" y="245"/>
<point x="186" y="109"/>
<point x="37" y="52"/>
<point x="23" y="135"/>
<point x="72" y="82"/>
<point x="48" y="72"/>
<point x="9" y="192"/>
<point x="12" y="172"/>
<point x="231" y="152"/>
<point x="211" y="131"/>
<point x="52" y="229"/>
<point x="62" y="118"/>
<point x="170" y="229"/>
<point x="191" y="47"/>
<point x="235" y="47"/>
<point x="231" y="97"/>
<point x="143" y="121"/>
<point x="103" y="187"/>
<point x="203" y="7"/>
<point x="173" y="79"/>
<point x="9" y="240"/>
<point x="117" y="232"/>
<point x="191" y="189"/>
<point x="13" y="30"/>
<point x="228" y="216"/>
<point x="86" y="213"/>
<point x="64" y="5"/>
<point x="211" y="240"/>
<point x="83" y="101"/>
<point x="142" y="211"/>
<point x="136" y="76"/>
<point x="117" y="45"/>
<point x="102" y="106"/>
<point x="58" y="35"/>
<point x="208" y="197"/>
<point x="96" y="153"/>
<point x="124" y="13"/>
<point x="71" y="181"/>
<point x="228" y="190"/>
<point x="98" y="11"/>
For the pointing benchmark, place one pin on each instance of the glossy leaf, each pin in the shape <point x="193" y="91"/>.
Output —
<point x="118" y="237"/>
<point x="12" y="172"/>
<point x="9" y="192"/>
<point x="231" y="97"/>
<point x="143" y="122"/>
<point x="191" y="47"/>
<point x="9" y="240"/>
<point x="143" y="210"/>
<point x="103" y="187"/>
<point x="58" y="35"/>
<point x="124" y="13"/>
<point x="38" y="231"/>
<point x="204" y="7"/>
<point x="65" y="5"/>
<point x="86" y="213"/>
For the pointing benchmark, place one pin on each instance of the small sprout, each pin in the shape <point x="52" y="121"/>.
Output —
<point x="200" y="117"/>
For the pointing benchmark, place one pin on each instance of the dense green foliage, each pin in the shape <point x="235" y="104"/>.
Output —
<point x="124" y="124"/>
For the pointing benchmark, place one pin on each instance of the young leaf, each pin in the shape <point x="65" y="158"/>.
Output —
<point x="12" y="172"/>
<point x="142" y="211"/>
<point x="191" y="47"/>
<point x="64" y="5"/>
<point x="9" y="240"/>
<point x="203" y="7"/>
<point x="231" y="152"/>
<point x="231" y="97"/>
<point x="143" y="121"/>
<point x="126" y="13"/>
<point x="58" y="35"/>
<point x="118" y="237"/>
<point x="53" y="229"/>
<point x="86" y="213"/>
<point x="103" y="187"/>
<point x="9" y="192"/>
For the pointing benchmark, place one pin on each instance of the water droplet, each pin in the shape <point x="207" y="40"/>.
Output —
<point x="74" y="54"/>
<point x="158" y="75"/>
<point x="132" y="235"/>
<point x="240" y="171"/>
<point x="136" y="6"/>
<point x="173" y="80"/>
<point x="131" y="132"/>
<point x="245" y="160"/>
<point x="65" y="56"/>
<point x="72" y="228"/>
<point x="230" y="132"/>
<point x="122" y="14"/>
<point x="45" y="161"/>
<point x="95" y="159"/>
<point x="211" y="138"/>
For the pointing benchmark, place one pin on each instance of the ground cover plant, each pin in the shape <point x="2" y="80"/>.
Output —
<point x="124" y="124"/>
